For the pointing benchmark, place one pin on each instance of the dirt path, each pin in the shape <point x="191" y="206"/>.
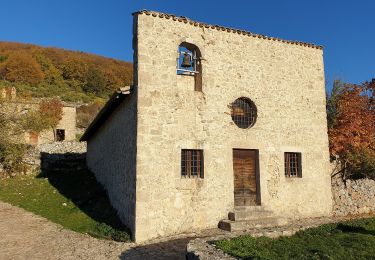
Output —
<point x="24" y="235"/>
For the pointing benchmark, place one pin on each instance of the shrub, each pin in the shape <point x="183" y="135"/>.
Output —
<point x="11" y="157"/>
<point x="361" y="164"/>
<point x="86" y="113"/>
<point x="105" y="231"/>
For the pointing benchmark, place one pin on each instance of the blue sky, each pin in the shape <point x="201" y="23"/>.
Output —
<point x="345" y="28"/>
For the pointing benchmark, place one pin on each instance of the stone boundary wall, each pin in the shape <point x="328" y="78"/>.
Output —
<point x="51" y="154"/>
<point x="353" y="197"/>
<point x="63" y="147"/>
<point x="62" y="156"/>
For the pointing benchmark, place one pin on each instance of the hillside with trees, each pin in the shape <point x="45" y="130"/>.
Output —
<point x="47" y="72"/>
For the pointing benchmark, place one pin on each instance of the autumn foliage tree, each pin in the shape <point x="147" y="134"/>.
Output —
<point x="51" y="111"/>
<point x="351" y="118"/>
<point x="22" y="67"/>
<point x="73" y="76"/>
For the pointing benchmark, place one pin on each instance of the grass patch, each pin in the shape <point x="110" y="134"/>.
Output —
<point x="347" y="240"/>
<point x="73" y="199"/>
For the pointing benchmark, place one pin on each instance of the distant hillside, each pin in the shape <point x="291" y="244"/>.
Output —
<point x="74" y="76"/>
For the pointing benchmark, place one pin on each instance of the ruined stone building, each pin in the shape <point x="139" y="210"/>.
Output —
<point x="65" y="130"/>
<point x="222" y="127"/>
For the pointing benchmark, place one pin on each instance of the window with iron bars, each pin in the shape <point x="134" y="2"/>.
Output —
<point x="244" y="112"/>
<point x="293" y="165"/>
<point x="192" y="163"/>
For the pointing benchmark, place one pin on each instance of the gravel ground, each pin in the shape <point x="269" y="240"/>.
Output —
<point x="24" y="235"/>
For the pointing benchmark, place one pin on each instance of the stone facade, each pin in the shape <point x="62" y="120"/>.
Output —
<point x="285" y="80"/>
<point x="67" y="123"/>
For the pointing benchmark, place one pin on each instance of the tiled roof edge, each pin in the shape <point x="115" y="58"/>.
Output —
<point x="222" y="28"/>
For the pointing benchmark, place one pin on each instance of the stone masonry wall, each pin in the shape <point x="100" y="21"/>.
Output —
<point x="286" y="83"/>
<point x="353" y="196"/>
<point x="67" y="122"/>
<point x="111" y="156"/>
<point x="51" y="154"/>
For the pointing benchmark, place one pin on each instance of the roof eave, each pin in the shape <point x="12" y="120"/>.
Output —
<point x="114" y="101"/>
<point x="222" y="28"/>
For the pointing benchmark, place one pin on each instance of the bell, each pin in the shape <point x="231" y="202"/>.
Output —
<point x="186" y="61"/>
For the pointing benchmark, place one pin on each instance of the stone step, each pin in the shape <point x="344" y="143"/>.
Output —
<point x="249" y="208"/>
<point x="243" y="215"/>
<point x="243" y="225"/>
<point x="249" y="212"/>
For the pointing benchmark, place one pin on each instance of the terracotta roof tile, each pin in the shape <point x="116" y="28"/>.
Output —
<point x="222" y="28"/>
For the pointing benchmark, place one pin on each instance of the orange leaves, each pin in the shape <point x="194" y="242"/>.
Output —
<point x="71" y="74"/>
<point x="354" y="126"/>
<point x="22" y="67"/>
<point x="51" y="111"/>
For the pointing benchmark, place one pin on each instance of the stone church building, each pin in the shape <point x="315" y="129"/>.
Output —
<point x="221" y="127"/>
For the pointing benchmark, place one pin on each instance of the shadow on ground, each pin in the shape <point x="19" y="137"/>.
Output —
<point x="69" y="175"/>
<point x="353" y="229"/>
<point x="172" y="249"/>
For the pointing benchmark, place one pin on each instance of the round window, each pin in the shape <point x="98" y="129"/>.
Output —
<point x="244" y="112"/>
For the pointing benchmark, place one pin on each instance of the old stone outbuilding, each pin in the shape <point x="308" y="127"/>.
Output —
<point x="221" y="126"/>
<point x="65" y="130"/>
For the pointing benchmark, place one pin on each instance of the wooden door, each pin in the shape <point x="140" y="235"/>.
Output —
<point x="33" y="138"/>
<point x="245" y="177"/>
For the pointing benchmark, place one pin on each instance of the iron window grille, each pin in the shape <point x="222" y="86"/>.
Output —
<point x="192" y="163"/>
<point x="293" y="165"/>
<point x="244" y="112"/>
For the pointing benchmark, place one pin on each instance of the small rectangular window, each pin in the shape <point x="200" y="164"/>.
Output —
<point x="293" y="165"/>
<point x="192" y="163"/>
<point x="60" y="135"/>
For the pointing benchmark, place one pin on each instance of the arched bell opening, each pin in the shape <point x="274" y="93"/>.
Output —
<point x="189" y="62"/>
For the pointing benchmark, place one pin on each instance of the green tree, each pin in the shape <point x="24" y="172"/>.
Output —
<point x="52" y="74"/>
<point x="12" y="150"/>
<point x="75" y="69"/>
<point x="34" y="121"/>
<point x="332" y="101"/>
<point x="95" y="82"/>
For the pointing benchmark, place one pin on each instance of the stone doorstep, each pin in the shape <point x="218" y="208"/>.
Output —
<point x="248" y="213"/>
<point x="250" y="217"/>
<point x="243" y="225"/>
